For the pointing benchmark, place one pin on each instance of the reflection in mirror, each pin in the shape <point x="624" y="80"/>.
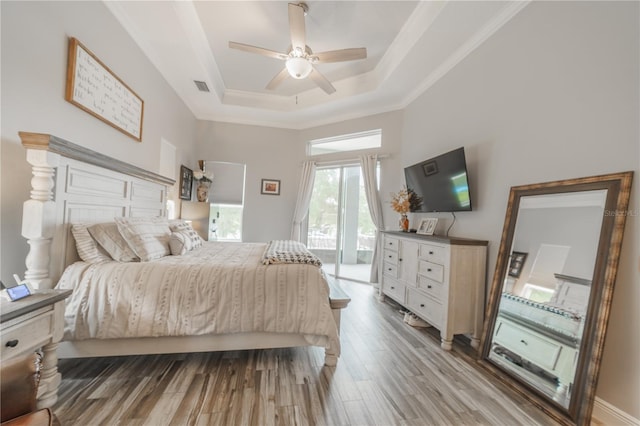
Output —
<point x="551" y="294"/>
<point x="545" y="294"/>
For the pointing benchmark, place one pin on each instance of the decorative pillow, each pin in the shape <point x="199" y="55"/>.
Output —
<point x="173" y="223"/>
<point x="147" y="236"/>
<point x="88" y="249"/>
<point x="183" y="238"/>
<point x="108" y="236"/>
<point x="179" y="244"/>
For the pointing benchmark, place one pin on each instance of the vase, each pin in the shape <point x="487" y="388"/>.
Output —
<point x="404" y="223"/>
<point x="202" y="192"/>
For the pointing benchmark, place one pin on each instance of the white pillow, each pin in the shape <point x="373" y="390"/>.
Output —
<point x="179" y="244"/>
<point x="147" y="236"/>
<point x="108" y="236"/>
<point x="183" y="238"/>
<point x="88" y="249"/>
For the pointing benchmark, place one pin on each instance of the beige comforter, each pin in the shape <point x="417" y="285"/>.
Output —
<point x="219" y="288"/>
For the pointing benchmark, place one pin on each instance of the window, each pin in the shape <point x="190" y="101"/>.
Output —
<point x="344" y="143"/>
<point x="537" y="293"/>
<point x="226" y="196"/>
<point x="226" y="222"/>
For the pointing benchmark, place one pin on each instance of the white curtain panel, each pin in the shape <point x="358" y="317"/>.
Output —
<point x="304" y="198"/>
<point x="369" y="165"/>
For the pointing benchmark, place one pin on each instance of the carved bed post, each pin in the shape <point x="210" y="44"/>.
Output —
<point x="38" y="215"/>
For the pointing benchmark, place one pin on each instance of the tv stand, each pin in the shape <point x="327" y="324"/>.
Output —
<point x="440" y="279"/>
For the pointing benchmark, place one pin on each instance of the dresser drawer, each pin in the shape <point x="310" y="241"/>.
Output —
<point x="431" y="287"/>
<point x="394" y="290"/>
<point x="390" y="270"/>
<point x="532" y="346"/>
<point x="436" y="254"/>
<point x="26" y="335"/>
<point x="425" y="307"/>
<point x="391" y="244"/>
<point x="431" y="270"/>
<point x="391" y="257"/>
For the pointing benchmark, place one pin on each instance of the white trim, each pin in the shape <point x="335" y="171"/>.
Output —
<point x="345" y="162"/>
<point x="608" y="414"/>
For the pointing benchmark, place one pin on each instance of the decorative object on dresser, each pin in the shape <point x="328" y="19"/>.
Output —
<point x="77" y="186"/>
<point x="440" y="279"/>
<point x="186" y="182"/>
<point x="94" y="88"/>
<point x="547" y="319"/>
<point x="32" y="323"/>
<point x="403" y="202"/>
<point x="427" y="226"/>
<point x="270" y="187"/>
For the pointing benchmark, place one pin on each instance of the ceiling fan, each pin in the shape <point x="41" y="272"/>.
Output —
<point x="300" y="58"/>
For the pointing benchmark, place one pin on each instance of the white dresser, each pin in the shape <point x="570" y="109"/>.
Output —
<point x="440" y="279"/>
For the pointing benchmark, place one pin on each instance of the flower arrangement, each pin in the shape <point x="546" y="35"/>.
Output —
<point x="202" y="176"/>
<point x="405" y="201"/>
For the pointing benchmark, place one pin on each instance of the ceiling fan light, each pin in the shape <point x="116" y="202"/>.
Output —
<point x="299" y="68"/>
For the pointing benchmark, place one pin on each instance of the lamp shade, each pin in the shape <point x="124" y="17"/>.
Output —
<point x="299" y="67"/>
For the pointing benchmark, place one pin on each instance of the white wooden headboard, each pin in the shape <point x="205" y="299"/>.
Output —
<point x="72" y="184"/>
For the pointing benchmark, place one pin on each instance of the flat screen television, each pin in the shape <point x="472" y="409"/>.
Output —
<point x="441" y="183"/>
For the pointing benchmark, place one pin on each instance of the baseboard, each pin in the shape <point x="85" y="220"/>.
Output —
<point x="609" y="415"/>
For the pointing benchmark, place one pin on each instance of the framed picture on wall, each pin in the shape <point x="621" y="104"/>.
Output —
<point x="270" y="187"/>
<point x="516" y="263"/>
<point x="186" y="178"/>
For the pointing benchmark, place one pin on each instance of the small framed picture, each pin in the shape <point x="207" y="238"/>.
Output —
<point x="516" y="263"/>
<point x="427" y="226"/>
<point x="186" y="178"/>
<point x="270" y="187"/>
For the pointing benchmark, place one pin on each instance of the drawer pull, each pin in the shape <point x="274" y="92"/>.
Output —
<point x="393" y="288"/>
<point x="388" y="269"/>
<point x="422" y="305"/>
<point x="12" y="343"/>
<point x="400" y="260"/>
<point x="429" y="269"/>
<point x="524" y="342"/>
<point x="430" y="252"/>
<point x="428" y="286"/>
<point x="389" y="256"/>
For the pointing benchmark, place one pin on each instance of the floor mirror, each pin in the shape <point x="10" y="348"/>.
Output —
<point x="551" y="294"/>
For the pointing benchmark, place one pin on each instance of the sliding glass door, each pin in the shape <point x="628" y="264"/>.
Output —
<point x="340" y="230"/>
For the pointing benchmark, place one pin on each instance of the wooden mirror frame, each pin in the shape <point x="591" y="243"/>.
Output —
<point x="618" y="188"/>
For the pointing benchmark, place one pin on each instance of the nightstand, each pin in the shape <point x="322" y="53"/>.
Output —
<point x="34" y="322"/>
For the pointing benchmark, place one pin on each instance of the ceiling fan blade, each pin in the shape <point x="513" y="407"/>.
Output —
<point x="259" y="50"/>
<point x="322" y="81"/>
<point x="342" y="55"/>
<point x="296" y="27"/>
<point x="279" y="78"/>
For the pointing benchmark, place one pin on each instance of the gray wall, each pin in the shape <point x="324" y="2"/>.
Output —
<point x="34" y="63"/>
<point x="269" y="153"/>
<point x="552" y="95"/>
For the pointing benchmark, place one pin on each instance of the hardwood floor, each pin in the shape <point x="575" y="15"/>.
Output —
<point x="388" y="374"/>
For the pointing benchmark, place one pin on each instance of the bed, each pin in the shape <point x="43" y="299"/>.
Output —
<point x="543" y="338"/>
<point x="221" y="296"/>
